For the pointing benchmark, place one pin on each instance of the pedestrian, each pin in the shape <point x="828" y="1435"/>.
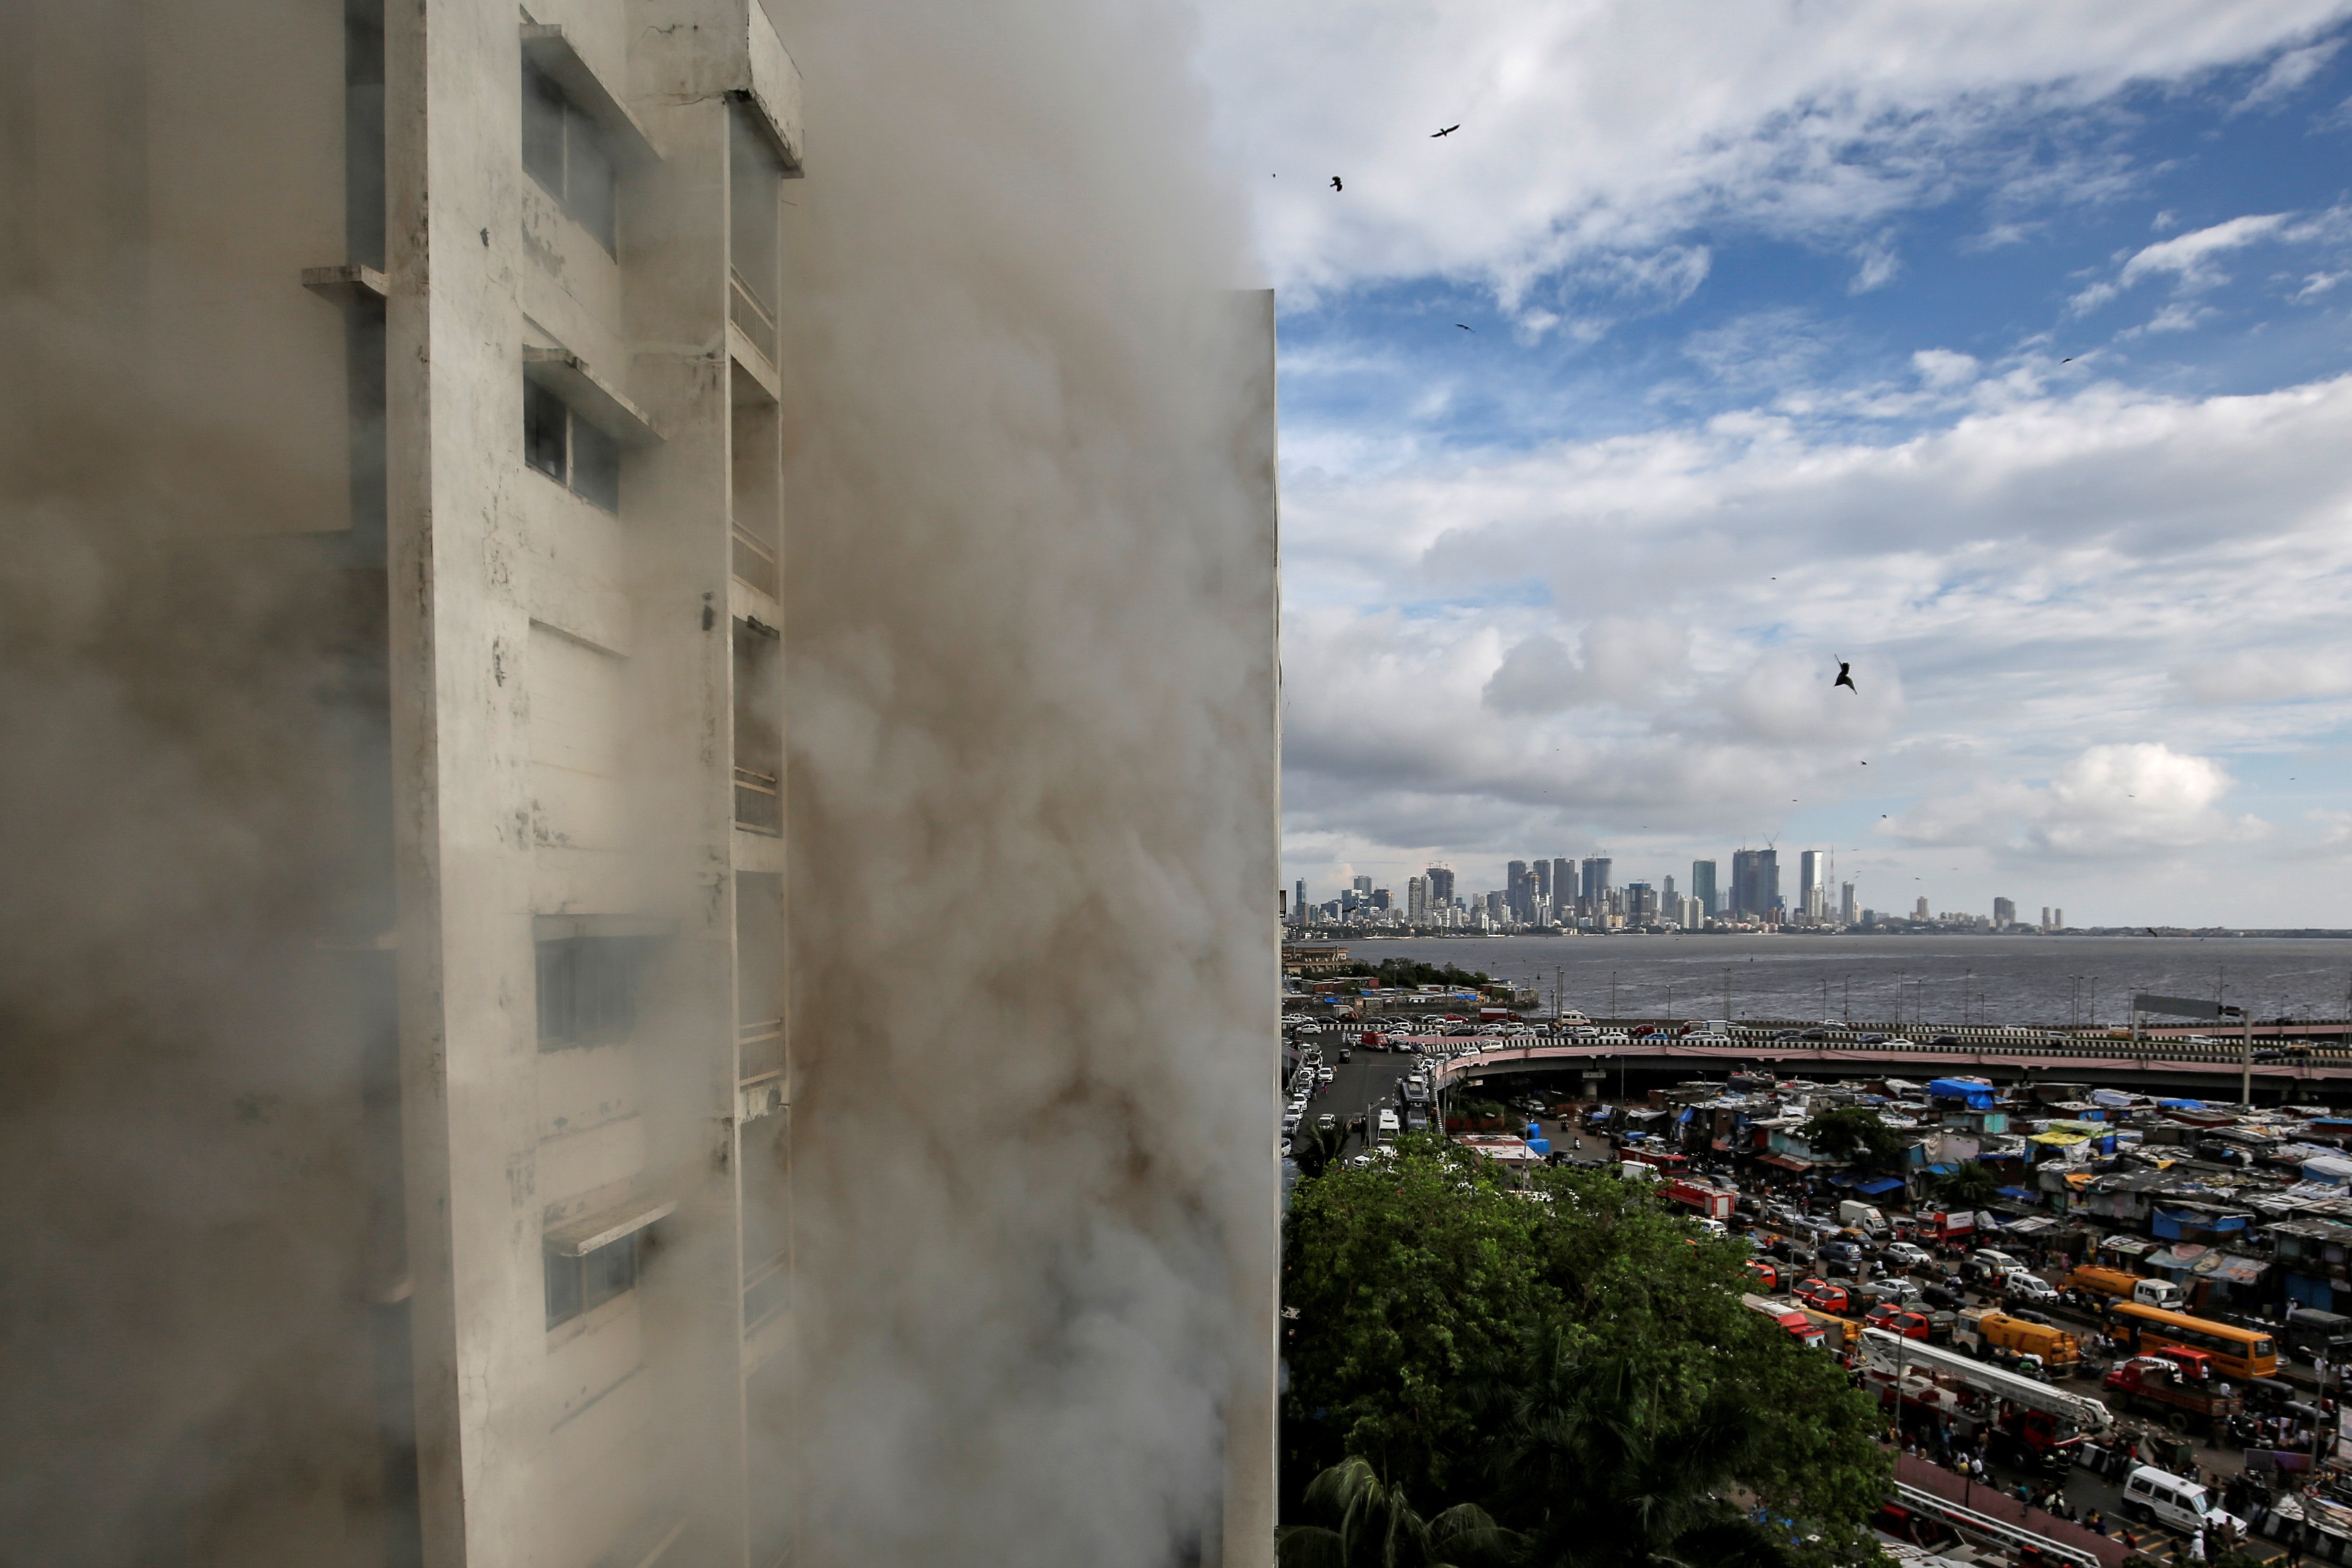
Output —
<point x="2096" y="1523"/>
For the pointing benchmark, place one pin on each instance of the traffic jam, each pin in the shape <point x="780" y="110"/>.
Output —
<point x="2056" y="1345"/>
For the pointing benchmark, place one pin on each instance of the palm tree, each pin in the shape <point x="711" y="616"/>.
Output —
<point x="1379" y="1529"/>
<point x="1605" y="1474"/>
<point x="1315" y="1149"/>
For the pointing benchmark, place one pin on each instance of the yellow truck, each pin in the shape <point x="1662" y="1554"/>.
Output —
<point x="2092" y="1279"/>
<point x="1984" y="1330"/>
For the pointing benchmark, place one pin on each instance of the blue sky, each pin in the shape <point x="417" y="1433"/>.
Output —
<point x="1772" y="311"/>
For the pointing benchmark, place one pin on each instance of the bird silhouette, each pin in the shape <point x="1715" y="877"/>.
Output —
<point x="1447" y="132"/>
<point x="2151" y="930"/>
<point x="1465" y="329"/>
<point x="1845" y="678"/>
<point x="2067" y="361"/>
<point x="1865" y="760"/>
<point x="1335" y="183"/>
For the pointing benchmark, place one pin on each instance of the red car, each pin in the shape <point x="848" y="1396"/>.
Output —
<point x="1897" y="1320"/>
<point x="1766" y="1278"/>
<point x="1824" y="1297"/>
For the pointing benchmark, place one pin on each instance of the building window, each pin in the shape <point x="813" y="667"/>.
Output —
<point x="587" y="991"/>
<point x="568" y="449"/>
<point x="565" y="151"/>
<point x="582" y="1284"/>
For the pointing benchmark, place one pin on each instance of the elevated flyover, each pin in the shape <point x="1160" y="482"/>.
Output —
<point x="2154" y="1065"/>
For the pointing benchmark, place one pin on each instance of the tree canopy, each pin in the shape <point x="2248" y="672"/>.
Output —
<point x="1572" y="1358"/>
<point x="1971" y="1185"/>
<point x="1854" y="1132"/>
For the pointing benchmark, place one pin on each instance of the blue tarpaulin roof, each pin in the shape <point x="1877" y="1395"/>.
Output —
<point x="1877" y="1185"/>
<point x="1945" y="1169"/>
<point x="2182" y="1104"/>
<point x="2023" y="1194"/>
<point x="1977" y="1096"/>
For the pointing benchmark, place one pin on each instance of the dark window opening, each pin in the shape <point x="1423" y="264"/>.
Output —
<point x="595" y="465"/>
<point x="564" y="151"/>
<point x="568" y="449"/>
<point x="577" y="1285"/>
<point x="587" y="991"/>
<point x="546" y="432"/>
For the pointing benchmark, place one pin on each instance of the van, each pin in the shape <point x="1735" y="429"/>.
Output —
<point x="2312" y="1334"/>
<point x="1861" y="1216"/>
<point x="2158" y="1496"/>
<point x="1387" y="1124"/>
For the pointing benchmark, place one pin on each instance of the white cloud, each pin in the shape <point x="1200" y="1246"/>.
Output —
<point x="1944" y="367"/>
<point x="1878" y="266"/>
<point x="1616" y="660"/>
<point x="2315" y="284"/>
<point x="2177" y="317"/>
<point x="1611" y="127"/>
<point x="2106" y="801"/>
<point x="2190" y="259"/>
<point x="1634" y="636"/>
<point x="2268" y="674"/>
<point x="2288" y="75"/>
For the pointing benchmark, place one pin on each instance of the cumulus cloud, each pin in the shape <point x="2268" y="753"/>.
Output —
<point x="1617" y="660"/>
<point x="2106" y="801"/>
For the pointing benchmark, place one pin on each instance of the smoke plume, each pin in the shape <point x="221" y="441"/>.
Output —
<point x="1029" y="644"/>
<point x="1029" y="634"/>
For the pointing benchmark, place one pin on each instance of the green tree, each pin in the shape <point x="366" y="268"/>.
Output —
<point x="1854" y="1132"/>
<point x="1969" y="1185"/>
<point x="1604" y="1463"/>
<point x="1379" y="1529"/>
<point x="1406" y="1284"/>
<point x="1434" y="1305"/>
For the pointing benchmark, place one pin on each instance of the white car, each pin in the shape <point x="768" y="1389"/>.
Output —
<point x="2152" y="1494"/>
<point x="2027" y="1285"/>
<point x="1906" y="1253"/>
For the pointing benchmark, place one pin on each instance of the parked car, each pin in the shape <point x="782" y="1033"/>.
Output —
<point x="1906" y="1254"/>
<point x="1941" y="1297"/>
<point x="1766" y="1278"/>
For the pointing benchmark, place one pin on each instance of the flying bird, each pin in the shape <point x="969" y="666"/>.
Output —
<point x="2067" y="361"/>
<point x="1845" y="678"/>
<point x="1865" y="760"/>
<point x="1447" y="132"/>
<point x="1335" y="183"/>
<point x="1464" y="328"/>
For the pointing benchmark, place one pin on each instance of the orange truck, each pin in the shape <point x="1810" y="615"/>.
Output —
<point x="1800" y="1327"/>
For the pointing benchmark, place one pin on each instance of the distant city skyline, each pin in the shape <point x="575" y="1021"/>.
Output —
<point x="1585" y="893"/>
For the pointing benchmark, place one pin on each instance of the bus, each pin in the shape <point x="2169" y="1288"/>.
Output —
<point x="2240" y="1352"/>
<point x="1659" y="1160"/>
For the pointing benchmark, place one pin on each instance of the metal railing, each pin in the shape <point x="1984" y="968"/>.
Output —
<point x="759" y="803"/>
<point x="749" y="314"/>
<point x="755" y="563"/>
